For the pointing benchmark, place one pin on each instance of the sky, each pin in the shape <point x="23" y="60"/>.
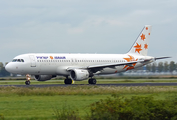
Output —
<point x="80" y="26"/>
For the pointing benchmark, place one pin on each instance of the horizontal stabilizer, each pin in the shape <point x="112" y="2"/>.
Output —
<point x="157" y="58"/>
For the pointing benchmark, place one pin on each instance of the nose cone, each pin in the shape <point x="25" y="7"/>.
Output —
<point x="14" y="67"/>
<point x="9" y="68"/>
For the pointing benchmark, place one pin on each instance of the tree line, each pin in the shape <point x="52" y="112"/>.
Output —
<point x="162" y="67"/>
<point x="3" y="72"/>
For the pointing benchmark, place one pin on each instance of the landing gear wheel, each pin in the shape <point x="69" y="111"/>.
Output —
<point x="27" y="82"/>
<point x="92" y="81"/>
<point x="68" y="81"/>
<point x="28" y="77"/>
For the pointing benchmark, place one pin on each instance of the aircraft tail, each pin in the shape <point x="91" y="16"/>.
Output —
<point x="141" y="44"/>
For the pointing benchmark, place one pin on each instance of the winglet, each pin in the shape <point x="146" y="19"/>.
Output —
<point x="141" y="44"/>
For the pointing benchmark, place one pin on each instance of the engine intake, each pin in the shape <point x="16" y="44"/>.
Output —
<point x="79" y="74"/>
<point x="44" y="77"/>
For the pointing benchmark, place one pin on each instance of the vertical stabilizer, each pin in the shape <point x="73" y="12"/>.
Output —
<point x="141" y="45"/>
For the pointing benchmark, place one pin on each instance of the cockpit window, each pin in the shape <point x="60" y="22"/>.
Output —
<point x="14" y="60"/>
<point x="17" y="60"/>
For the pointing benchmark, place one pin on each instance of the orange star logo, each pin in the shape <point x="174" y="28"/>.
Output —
<point x="149" y="33"/>
<point x="51" y="57"/>
<point x="131" y="58"/>
<point x="142" y="37"/>
<point x="137" y="48"/>
<point x="146" y="28"/>
<point x="145" y="46"/>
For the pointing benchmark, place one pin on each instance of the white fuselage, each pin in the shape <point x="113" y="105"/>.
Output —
<point x="57" y="64"/>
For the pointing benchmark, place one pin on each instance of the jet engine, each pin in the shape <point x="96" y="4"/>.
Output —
<point x="79" y="74"/>
<point x="43" y="77"/>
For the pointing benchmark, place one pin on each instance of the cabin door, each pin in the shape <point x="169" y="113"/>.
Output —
<point x="33" y="62"/>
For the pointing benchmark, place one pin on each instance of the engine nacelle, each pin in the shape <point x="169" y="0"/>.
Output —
<point x="79" y="74"/>
<point x="43" y="77"/>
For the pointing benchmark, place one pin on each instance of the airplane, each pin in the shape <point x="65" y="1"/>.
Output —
<point x="78" y="67"/>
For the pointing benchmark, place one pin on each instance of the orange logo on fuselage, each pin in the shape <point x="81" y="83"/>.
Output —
<point x="131" y="58"/>
<point x="51" y="57"/>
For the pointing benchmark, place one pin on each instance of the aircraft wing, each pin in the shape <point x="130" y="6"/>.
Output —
<point x="111" y="65"/>
<point x="96" y="68"/>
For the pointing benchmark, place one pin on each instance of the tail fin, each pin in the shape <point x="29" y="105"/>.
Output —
<point x="141" y="45"/>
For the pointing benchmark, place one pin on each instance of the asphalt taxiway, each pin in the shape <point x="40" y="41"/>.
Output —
<point x="117" y="84"/>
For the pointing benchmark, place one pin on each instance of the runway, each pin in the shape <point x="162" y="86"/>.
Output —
<point x="117" y="84"/>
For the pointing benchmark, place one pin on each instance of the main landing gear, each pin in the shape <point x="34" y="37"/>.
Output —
<point x="27" y="82"/>
<point x="68" y="81"/>
<point x="92" y="81"/>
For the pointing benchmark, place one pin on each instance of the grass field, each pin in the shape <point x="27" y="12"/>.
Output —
<point x="43" y="107"/>
<point x="42" y="103"/>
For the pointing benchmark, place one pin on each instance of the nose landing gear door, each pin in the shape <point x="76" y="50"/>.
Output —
<point x="32" y="59"/>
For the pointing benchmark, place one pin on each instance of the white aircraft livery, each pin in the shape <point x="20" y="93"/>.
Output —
<point x="77" y="67"/>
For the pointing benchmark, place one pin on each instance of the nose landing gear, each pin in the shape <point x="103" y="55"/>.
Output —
<point x="28" y="77"/>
